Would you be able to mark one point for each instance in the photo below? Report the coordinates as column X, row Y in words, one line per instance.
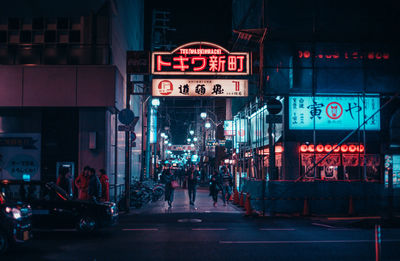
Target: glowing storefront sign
column 200, row 87
column 333, row 113
column 228, row 128
column 200, row 58
column 153, row 126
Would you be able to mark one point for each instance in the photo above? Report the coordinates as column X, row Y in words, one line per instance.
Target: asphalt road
column 207, row 233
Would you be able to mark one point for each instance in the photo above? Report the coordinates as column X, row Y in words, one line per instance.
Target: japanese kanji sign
column 181, row 147
column 200, row 87
column 200, row 58
column 333, row 113
column 20, row 156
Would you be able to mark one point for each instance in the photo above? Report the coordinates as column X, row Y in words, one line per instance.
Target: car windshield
column 2, row 198
column 59, row 192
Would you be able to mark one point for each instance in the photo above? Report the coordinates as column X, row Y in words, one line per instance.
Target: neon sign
column 200, row 58
column 355, row 55
column 333, row 112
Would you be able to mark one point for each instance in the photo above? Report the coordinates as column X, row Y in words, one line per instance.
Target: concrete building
column 62, row 83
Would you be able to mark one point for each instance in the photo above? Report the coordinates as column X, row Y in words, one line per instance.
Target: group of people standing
column 220, row 181
column 90, row 186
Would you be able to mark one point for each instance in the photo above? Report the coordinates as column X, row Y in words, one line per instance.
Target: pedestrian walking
column 94, row 189
column 215, row 186
column 105, row 186
column 226, row 184
column 193, row 180
column 168, row 178
column 82, row 183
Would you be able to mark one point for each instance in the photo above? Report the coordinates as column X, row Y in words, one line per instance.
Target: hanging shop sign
column 228, row 128
column 181, row 148
column 200, row 87
column 153, row 126
column 333, row 112
column 200, row 58
column 20, row 156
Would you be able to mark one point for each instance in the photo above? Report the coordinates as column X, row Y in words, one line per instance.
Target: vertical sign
column 153, row 125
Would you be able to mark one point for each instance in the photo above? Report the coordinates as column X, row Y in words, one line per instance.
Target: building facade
column 63, row 81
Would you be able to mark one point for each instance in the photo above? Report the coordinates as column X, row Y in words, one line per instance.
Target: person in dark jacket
column 226, row 184
column 94, row 189
column 105, row 186
column 64, row 181
column 215, row 186
column 193, row 179
column 167, row 177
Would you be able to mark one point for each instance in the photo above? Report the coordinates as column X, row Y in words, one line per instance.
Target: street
column 207, row 233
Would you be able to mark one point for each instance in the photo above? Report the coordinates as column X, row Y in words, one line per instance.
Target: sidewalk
column 203, row 204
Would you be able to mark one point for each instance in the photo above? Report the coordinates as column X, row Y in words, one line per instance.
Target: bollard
column 351, row 206
column 236, row 197
column 247, row 206
column 241, row 201
column 306, row 207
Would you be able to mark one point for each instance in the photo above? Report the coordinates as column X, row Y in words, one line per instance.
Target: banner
column 333, row 112
column 200, row 88
column 20, row 156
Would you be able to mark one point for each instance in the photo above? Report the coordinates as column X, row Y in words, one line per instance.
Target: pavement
column 204, row 232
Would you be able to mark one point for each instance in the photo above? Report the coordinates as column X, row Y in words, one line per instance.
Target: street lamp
column 191, row 132
column 207, row 125
column 155, row 102
column 203, row 115
column 189, row 140
column 195, row 139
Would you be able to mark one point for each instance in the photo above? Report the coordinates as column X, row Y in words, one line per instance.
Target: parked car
column 58, row 210
column 15, row 222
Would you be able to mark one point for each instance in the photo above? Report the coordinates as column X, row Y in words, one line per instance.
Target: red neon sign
column 200, row 58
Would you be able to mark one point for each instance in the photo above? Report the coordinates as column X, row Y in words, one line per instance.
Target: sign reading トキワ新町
column 200, row 58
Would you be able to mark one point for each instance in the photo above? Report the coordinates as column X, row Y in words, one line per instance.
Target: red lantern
column 328, row 148
column 360, row 148
column 311, row 148
column 344, row 148
column 303, row 148
column 337, row 149
column 352, row 148
column 320, row 148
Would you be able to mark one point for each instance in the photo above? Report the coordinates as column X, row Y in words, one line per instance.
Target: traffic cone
column 241, row 201
column 351, row 206
column 236, row 197
column 247, row 206
column 306, row 207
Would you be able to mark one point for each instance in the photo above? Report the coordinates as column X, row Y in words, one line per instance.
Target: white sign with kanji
column 200, row 87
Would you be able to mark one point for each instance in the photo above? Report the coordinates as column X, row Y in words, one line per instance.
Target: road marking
column 305, row 241
column 277, row 229
column 64, row 230
column 209, row 229
column 352, row 218
column 342, row 229
column 322, row 225
column 140, row 229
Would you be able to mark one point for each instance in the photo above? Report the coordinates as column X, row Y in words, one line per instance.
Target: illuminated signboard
column 153, row 126
column 200, row 58
column 333, row 112
column 346, row 55
column 228, row 128
column 181, row 147
column 199, row 87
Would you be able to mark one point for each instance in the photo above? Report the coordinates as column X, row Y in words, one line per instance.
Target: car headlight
column 15, row 212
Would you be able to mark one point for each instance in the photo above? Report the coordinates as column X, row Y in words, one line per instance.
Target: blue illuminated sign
column 153, row 125
column 333, row 112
